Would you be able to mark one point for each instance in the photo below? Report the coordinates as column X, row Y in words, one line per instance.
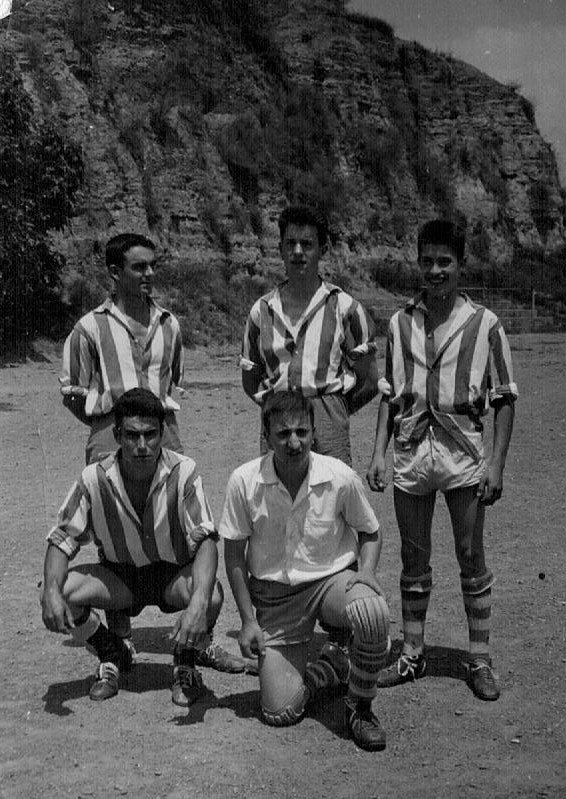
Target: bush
column 40, row 175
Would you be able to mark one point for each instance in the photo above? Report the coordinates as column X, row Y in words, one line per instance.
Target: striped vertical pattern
column 97, row 508
column 102, row 355
column 478, row 612
column 315, row 355
column 415, row 596
column 454, row 383
column 369, row 621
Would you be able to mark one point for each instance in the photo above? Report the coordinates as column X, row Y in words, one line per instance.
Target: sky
column 520, row 41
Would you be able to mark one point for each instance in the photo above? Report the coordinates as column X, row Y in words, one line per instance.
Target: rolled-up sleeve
column 359, row 332
column 198, row 523
column 251, row 354
column 235, row 522
column 73, row 522
column 356, row 508
column 501, row 366
column 76, row 368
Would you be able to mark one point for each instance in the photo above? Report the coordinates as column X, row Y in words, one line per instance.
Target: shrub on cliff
column 40, row 172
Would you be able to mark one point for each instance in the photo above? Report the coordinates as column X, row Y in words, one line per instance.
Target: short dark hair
column 443, row 232
column 138, row 402
column 119, row 245
column 303, row 215
column 290, row 402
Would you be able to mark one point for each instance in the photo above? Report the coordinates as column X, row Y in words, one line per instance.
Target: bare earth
column 442, row 742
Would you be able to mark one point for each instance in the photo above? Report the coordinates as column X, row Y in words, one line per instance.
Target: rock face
column 199, row 120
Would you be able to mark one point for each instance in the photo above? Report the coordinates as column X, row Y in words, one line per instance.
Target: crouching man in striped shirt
column 446, row 359
column 145, row 509
column 302, row 544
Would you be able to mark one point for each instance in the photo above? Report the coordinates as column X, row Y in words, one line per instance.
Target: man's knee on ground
column 368, row 618
column 290, row 713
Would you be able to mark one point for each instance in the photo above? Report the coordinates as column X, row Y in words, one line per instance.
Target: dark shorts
column 147, row 584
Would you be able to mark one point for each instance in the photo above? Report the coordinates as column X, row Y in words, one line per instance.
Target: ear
column 117, row 437
column 114, row 271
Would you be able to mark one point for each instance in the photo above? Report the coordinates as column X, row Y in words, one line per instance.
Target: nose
column 435, row 268
column 148, row 271
column 297, row 249
column 294, row 442
column 141, row 446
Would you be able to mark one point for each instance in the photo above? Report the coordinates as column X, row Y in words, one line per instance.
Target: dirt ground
column 442, row 742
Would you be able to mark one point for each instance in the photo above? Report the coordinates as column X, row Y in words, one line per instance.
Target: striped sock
column 478, row 612
column 415, row 596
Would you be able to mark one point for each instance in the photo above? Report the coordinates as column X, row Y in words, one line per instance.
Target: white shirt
column 303, row 540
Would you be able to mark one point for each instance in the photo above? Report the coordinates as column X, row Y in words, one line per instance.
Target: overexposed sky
column 523, row 41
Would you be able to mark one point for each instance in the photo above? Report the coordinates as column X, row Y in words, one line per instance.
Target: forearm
column 204, row 569
column 238, row 577
column 384, row 428
column 502, row 430
column 370, row 550
column 55, row 569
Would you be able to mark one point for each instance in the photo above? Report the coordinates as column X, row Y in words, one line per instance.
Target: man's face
column 301, row 252
column 440, row 270
column 135, row 279
column 290, row 437
column 140, row 440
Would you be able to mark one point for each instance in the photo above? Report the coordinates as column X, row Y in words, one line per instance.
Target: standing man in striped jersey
column 308, row 335
column 145, row 509
column 446, row 359
column 128, row 342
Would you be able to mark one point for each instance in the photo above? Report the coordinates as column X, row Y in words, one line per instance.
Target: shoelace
column 407, row 666
column 188, row 677
column 108, row 672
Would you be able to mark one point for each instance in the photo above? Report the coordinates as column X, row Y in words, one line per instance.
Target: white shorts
column 437, row 463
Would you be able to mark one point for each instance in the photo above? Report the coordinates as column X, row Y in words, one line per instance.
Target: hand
column 376, row 474
column 367, row 577
column 251, row 640
column 490, row 487
column 191, row 626
column 55, row 612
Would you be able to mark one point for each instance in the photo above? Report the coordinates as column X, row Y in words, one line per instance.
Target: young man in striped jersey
column 308, row 335
column 446, row 360
column 128, row 342
column 302, row 544
column 145, row 509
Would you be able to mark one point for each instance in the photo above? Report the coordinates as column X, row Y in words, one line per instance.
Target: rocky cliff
column 199, row 119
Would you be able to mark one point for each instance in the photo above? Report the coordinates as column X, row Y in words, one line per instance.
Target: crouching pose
column 145, row 509
column 302, row 544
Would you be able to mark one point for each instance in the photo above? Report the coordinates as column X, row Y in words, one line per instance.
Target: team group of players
column 301, row 540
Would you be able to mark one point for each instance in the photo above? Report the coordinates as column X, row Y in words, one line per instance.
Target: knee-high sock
column 478, row 612
column 415, row 595
column 368, row 618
